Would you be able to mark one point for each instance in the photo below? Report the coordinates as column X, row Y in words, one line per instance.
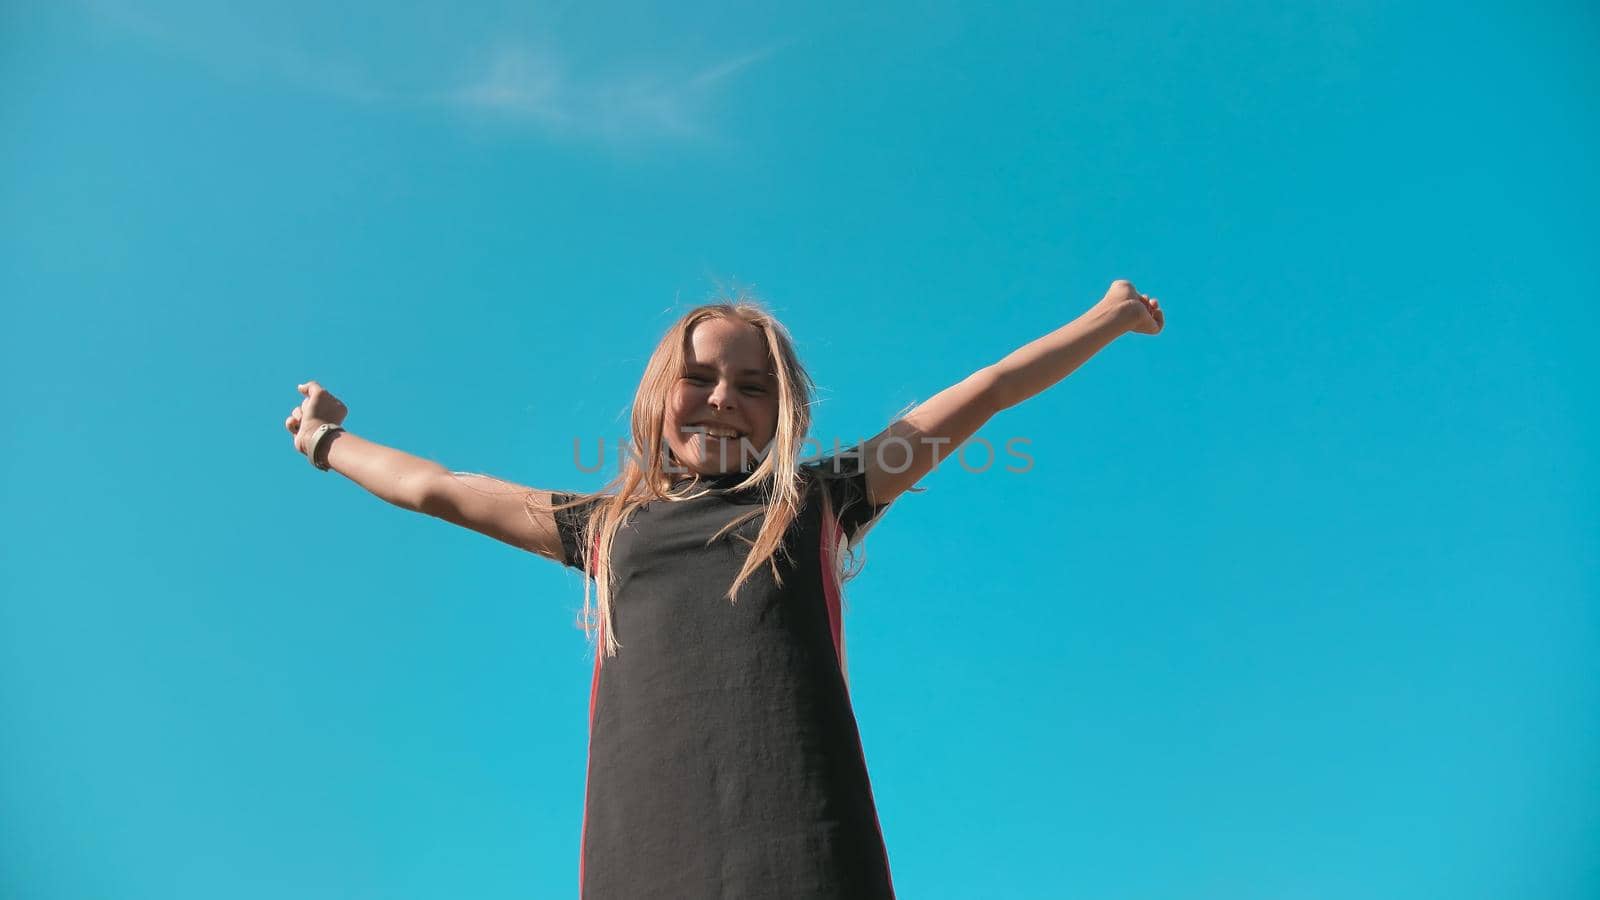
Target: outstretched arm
column 519, row 516
column 912, row 446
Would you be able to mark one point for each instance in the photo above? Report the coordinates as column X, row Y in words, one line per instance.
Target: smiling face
column 725, row 401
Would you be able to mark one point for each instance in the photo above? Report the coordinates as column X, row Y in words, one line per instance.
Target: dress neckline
column 720, row 482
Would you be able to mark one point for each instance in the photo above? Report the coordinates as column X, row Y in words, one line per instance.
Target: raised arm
column 913, row 445
column 499, row 509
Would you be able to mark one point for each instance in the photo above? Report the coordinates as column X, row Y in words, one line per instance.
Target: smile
column 720, row 431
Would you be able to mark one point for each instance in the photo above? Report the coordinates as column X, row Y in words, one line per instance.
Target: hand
column 318, row 407
column 1132, row 309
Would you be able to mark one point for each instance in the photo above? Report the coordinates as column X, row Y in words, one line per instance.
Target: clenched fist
column 318, row 407
column 1133, row 309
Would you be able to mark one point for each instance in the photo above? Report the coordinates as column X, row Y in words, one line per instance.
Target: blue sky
column 1299, row 599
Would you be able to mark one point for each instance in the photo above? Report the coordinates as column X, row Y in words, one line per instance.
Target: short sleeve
column 844, row 477
column 571, row 523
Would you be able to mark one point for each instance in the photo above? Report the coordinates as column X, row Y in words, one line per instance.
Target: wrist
column 324, row 459
column 1116, row 316
column 302, row 441
column 319, row 440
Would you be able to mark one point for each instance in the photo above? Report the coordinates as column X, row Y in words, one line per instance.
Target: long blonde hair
column 643, row 477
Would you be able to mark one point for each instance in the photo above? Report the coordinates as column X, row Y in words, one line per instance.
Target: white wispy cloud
column 536, row 86
column 518, row 82
column 230, row 49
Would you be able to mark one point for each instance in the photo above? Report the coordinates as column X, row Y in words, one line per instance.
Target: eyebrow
column 740, row 372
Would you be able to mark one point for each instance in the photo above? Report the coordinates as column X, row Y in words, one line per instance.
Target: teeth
column 722, row 432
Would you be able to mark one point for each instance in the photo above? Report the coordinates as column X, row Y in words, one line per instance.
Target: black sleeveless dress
column 724, row 759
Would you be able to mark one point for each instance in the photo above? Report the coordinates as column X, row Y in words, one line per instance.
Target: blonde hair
column 644, row 476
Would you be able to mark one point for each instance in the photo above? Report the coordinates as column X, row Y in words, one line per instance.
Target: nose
column 721, row 398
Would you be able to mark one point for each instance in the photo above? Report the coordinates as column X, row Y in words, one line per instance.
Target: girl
column 724, row 759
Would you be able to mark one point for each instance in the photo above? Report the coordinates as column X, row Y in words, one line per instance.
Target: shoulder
column 840, row 481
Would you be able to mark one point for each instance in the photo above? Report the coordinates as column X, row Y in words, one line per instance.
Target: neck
column 715, row 479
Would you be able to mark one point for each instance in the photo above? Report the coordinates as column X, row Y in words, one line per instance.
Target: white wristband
column 315, row 444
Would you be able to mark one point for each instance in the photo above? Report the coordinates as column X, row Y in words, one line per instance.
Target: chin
column 708, row 460
column 713, row 466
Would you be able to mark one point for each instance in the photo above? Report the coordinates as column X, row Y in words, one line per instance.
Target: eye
column 697, row 379
column 755, row 390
